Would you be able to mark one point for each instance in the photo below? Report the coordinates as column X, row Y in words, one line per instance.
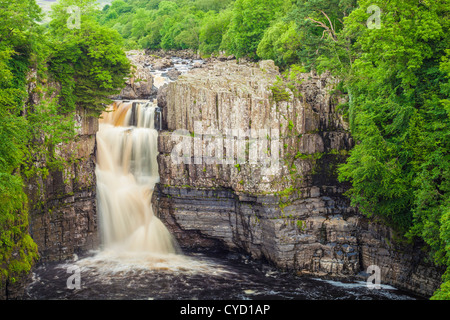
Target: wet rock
column 162, row 64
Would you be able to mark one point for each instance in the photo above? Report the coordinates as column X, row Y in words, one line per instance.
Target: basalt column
column 248, row 162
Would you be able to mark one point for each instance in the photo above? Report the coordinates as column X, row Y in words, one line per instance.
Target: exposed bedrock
column 63, row 213
column 140, row 85
column 270, row 189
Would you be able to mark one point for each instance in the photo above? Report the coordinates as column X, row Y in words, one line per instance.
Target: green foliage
column 288, row 32
column 176, row 24
column 279, row 91
column 280, row 43
column 301, row 225
column 17, row 249
column 88, row 61
column 212, row 30
column 210, row 26
column 287, row 85
column 318, row 23
column 181, row 33
column 397, row 78
column 396, row 112
column 249, row 21
column 212, row 5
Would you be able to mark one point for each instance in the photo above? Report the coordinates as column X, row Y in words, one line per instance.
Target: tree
column 212, row 5
column 281, row 43
column 249, row 20
column 17, row 37
column 397, row 78
column 319, row 22
column 88, row 61
column 213, row 29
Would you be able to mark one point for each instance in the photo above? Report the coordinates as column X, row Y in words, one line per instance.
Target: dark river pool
column 192, row 276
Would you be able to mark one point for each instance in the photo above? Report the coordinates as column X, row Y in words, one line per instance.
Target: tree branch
column 327, row 29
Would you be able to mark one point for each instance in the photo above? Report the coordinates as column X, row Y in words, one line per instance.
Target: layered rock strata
column 248, row 162
column 63, row 217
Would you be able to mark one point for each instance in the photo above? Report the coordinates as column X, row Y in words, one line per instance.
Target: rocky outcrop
column 62, row 205
column 63, row 217
column 229, row 96
column 140, row 85
column 269, row 188
column 161, row 64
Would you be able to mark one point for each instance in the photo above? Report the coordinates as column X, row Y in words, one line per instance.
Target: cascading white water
column 127, row 171
column 133, row 238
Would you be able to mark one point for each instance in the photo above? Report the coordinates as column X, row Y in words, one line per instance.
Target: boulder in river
column 163, row 63
column 173, row 74
column 140, row 85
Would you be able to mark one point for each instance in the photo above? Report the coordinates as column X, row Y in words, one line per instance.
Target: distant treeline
column 266, row 29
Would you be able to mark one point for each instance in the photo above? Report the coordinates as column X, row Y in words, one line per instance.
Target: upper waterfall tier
column 127, row 171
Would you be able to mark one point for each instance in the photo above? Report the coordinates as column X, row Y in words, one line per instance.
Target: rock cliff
column 62, row 206
column 63, row 217
column 248, row 162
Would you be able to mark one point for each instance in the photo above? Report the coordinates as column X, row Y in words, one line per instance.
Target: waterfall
column 127, row 171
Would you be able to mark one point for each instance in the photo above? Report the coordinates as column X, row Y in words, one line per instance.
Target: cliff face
column 62, row 206
column 63, row 217
column 247, row 163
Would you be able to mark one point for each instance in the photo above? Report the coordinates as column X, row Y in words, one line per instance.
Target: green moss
column 291, row 125
column 284, row 197
column 279, row 91
column 285, row 192
column 301, row 225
